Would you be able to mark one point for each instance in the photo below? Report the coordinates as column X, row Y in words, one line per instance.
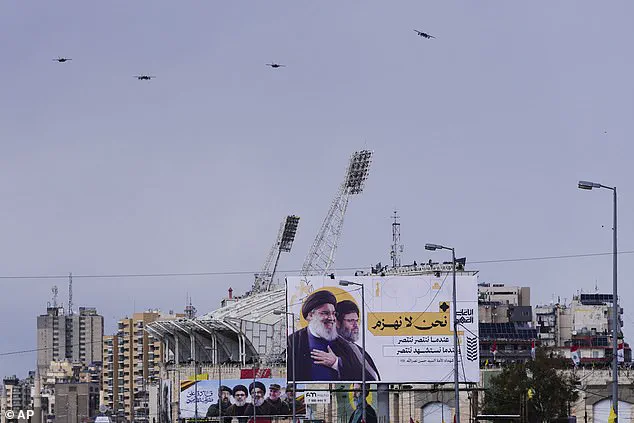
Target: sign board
column 317, row 397
column 200, row 395
column 408, row 323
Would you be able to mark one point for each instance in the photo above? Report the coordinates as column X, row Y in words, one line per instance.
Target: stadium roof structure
column 245, row 330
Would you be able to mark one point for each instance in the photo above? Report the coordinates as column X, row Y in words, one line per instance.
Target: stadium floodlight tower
column 283, row 243
column 288, row 236
column 321, row 256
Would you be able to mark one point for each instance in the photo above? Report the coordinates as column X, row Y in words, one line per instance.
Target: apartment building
column 506, row 329
column 16, row 395
column 73, row 337
column 585, row 323
column 131, row 364
column 76, row 402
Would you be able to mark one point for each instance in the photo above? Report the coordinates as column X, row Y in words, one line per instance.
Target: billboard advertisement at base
column 235, row 397
column 408, row 322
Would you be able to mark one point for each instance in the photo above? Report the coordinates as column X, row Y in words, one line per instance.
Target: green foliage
column 553, row 391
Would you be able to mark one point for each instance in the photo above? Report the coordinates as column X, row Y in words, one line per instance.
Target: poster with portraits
column 408, row 323
column 204, row 396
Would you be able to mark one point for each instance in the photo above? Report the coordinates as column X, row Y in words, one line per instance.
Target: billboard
column 203, row 395
column 408, row 325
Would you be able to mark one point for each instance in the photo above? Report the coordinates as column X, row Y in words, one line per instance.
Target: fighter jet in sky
column 61, row 59
column 423, row 34
column 144, row 77
column 275, row 65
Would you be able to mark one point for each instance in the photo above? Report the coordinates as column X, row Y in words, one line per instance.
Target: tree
column 552, row 391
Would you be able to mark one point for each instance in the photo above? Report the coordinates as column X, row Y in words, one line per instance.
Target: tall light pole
column 434, row 247
column 288, row 313
column 285, row 242
column 363, row 324
column 215, row 362
column 615, row 308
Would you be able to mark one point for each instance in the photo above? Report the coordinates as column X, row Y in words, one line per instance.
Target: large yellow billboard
column 408, row 322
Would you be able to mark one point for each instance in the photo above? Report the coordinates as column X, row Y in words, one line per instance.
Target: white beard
column 320, row 330
column 259, row 402
column 241, row 403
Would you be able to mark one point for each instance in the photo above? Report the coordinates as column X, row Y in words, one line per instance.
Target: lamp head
column 432, row 247
column 278, row 312
column 588, row 185
column 344, row 283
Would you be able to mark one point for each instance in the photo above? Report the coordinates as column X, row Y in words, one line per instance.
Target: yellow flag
column 612, row 416
column 202, row 376
column 530, row 393
column 486, row 363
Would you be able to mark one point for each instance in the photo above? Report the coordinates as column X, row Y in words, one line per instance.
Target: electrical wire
column 295, row 271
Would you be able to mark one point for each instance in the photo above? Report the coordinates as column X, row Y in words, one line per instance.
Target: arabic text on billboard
column 408, row 326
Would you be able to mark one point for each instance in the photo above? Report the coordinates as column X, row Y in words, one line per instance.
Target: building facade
column 76, row 402
column 73, row 337
column 585, row 323
column 131, row 364
column 506, row 330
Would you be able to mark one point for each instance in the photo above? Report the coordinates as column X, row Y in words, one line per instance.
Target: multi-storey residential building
column 73, row 337
column 16, row 394
column 131, row 364
column 506, row 316
column 585, row 323
column 58, row 372
column 76, row 402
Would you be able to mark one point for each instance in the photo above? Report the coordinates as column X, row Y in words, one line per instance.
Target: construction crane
column 321, row 256
column 283, row 243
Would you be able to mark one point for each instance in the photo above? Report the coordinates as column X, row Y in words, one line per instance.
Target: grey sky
column 480, row 137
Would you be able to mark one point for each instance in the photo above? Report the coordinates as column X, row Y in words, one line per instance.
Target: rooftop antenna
column 190, row 310
column 54, row 290
column 596, row 286
column 321, row 256
column 70, row 294
column 397, row 247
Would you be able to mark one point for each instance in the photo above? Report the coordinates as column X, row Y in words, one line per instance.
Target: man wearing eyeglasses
column 321, row 354
column 348, row 329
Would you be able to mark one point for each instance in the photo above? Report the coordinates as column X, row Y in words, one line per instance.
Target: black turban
column 257, row 384
column 240, row 388
column 345, row 307
column 225, row 388
column 316, row 299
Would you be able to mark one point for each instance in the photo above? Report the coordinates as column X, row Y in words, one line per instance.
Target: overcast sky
column 480, row 136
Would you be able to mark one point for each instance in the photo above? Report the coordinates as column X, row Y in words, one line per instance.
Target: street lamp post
column 288, row 313
column 215, row 362
column 433, row 247
column 363, row 324
column 615, row 308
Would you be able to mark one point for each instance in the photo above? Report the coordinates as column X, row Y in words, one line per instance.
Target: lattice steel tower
column 283, row 243
column 321, row 256
column 397, row 247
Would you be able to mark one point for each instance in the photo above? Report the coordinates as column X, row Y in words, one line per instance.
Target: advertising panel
column 408, row 323
column 236, row 399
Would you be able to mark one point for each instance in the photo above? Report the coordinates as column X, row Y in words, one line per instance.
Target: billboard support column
column 383, row 402
column 434, row 247
column 455, row 338
column 363, row 328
